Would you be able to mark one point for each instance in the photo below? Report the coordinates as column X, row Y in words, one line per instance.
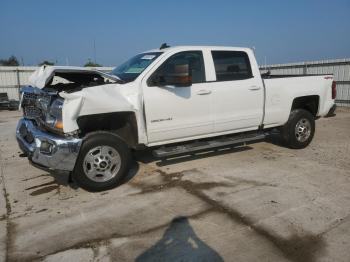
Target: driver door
column 178, row 100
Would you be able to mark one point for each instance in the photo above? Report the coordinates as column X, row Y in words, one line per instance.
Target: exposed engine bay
column 75, row 81
column 41, row 101
column 69, row 79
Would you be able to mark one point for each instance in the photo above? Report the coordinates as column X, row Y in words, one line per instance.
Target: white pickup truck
column 176, row 100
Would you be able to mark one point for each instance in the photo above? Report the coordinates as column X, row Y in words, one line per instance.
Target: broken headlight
column 54, row 116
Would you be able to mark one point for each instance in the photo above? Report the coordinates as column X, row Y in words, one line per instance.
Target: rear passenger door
column 237, row 95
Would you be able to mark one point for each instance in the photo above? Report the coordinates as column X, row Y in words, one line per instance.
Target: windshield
column 132, row 68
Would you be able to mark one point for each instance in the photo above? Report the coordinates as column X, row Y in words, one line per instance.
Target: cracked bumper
column 46, row 150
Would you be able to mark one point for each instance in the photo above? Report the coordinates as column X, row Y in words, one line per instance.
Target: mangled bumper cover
column 47, row 150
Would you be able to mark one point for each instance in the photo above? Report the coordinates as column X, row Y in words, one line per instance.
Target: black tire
column 107, row 140
column 291, row 137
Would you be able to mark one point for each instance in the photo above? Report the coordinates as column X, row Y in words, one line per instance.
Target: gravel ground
column 261, row 202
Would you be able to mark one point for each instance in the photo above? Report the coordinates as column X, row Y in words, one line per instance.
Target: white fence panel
column 11, row 78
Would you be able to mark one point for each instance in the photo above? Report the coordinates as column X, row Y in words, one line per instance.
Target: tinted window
column 231, row 65
column 175, row 64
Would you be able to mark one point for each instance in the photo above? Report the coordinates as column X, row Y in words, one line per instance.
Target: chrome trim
column 102, row 163
column 64, row 150
column 303, row 130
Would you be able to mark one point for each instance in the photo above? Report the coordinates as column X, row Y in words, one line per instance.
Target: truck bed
column 280, row 91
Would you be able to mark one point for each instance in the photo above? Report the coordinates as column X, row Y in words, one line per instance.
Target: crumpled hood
column 44, row 74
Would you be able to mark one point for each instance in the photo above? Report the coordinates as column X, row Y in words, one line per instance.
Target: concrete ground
column 262, row 202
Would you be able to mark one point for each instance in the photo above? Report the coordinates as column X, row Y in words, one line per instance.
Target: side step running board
column 204, row 145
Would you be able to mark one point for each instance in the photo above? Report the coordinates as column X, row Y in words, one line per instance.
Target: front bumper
column 47, row 150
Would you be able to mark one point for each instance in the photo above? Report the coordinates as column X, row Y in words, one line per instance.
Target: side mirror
column 179, row 77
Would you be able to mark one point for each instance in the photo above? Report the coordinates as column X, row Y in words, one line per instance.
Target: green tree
column 46, row 62
column 11, row 61
column 92, row 64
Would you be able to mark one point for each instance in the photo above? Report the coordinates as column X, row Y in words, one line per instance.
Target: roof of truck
column 190, row 47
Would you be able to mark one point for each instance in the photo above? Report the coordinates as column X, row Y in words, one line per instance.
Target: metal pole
column 305, row 68
column 18, row 82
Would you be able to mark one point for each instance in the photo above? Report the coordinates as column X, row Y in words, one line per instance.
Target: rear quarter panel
column 280, row 93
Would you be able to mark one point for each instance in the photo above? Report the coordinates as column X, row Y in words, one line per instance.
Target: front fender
column 95, row 100
column 71, row 109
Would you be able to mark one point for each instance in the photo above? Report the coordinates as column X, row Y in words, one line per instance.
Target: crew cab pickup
column 176, row 100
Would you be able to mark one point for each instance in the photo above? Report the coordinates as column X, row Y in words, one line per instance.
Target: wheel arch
column 309, row 103
column 123, row 124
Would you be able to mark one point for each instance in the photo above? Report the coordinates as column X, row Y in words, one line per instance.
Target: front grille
column 29, row 96
column 35, row 104
column 31, row 112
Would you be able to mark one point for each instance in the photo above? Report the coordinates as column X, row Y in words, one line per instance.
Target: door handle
column 254, row 88
column 203, row 92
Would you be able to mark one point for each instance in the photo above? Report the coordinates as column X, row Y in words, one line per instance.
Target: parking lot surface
column 260, row 202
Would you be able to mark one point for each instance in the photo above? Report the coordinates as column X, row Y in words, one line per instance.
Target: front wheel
column 103, row 162
column 298, row 132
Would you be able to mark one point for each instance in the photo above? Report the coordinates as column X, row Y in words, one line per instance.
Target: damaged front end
column 45, row 150
column 42, row 107
column 48, row 132
column 40, row 133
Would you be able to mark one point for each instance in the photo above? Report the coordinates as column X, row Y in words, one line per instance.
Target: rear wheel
column 103, row 162
column 299, row 131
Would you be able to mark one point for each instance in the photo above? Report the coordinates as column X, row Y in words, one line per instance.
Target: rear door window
column 231, row 65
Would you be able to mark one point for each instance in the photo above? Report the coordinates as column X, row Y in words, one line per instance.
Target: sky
column 281, row 31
